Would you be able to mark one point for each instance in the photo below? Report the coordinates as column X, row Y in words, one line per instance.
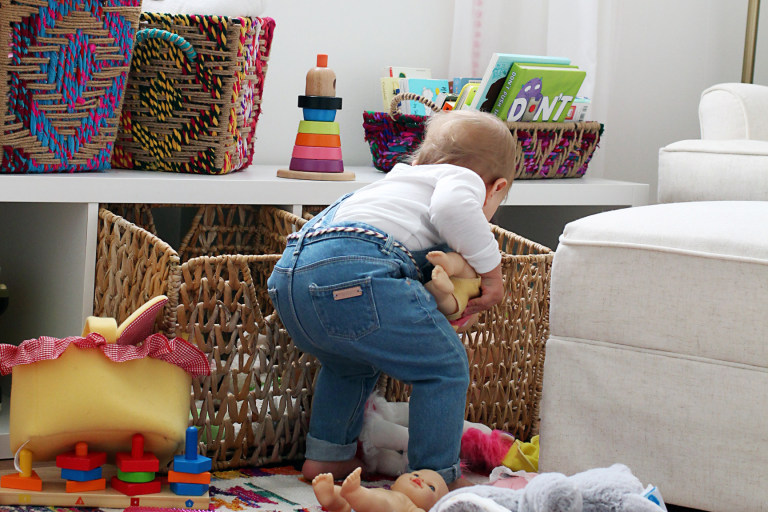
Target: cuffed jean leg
column 341, row 390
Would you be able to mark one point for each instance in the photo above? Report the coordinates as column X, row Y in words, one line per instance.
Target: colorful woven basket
column 544, row 150
column 194, row 93
column 63, row 69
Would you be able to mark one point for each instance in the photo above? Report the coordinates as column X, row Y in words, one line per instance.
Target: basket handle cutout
column 156, row 33
column 405, row 96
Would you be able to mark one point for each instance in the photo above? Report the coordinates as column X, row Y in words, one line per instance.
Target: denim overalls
column 354, row 300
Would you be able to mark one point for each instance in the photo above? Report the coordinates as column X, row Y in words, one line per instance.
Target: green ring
column 135, row 477
column 319, row 127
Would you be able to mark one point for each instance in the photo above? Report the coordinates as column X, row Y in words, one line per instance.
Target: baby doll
column 453, row 283
column 411, row 492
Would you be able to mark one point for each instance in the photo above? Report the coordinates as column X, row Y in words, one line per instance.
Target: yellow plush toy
column 102, row 388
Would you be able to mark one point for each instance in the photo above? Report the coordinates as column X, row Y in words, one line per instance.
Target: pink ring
column 316, row 153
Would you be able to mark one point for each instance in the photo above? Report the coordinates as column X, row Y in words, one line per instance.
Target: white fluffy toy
column 612, row 489
column 384, row 436
column 232, row 8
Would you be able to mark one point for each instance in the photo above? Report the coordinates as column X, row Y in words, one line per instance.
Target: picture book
column 496, row 74
column 466, row 95
column 430, row 88
column 406, row 72
column 389, row 88
column 459, row 82
column 503, row 100
column 538, row 93
column 579, row 110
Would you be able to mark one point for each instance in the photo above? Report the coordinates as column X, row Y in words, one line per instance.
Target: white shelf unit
column 48, row 225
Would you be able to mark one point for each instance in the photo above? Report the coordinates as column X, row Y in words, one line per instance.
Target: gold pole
column 750, row 42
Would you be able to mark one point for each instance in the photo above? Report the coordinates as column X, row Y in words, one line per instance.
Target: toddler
column 349, row 290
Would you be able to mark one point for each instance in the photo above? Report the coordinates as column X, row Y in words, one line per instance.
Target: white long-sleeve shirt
column 425, row 205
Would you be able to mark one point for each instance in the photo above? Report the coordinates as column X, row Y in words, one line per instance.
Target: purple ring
column 311, row 165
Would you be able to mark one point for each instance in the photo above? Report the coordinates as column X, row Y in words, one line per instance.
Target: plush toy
column 453, row 283
column 612, row 489
column 482, row 451
column 384, row 436
column 250, row 8
column 411, row 492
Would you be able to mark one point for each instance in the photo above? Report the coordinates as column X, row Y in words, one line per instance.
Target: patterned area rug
column 275, row 489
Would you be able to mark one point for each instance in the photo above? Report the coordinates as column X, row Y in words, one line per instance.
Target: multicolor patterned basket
column 63, row 69
column 194, row 93
column 544, row 150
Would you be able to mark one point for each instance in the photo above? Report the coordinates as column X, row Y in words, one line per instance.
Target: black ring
column 320, row 102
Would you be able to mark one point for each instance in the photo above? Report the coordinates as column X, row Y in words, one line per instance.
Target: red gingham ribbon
column 175, row 351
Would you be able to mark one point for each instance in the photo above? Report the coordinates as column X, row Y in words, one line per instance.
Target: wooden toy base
column 54, row 494
column 319, row 176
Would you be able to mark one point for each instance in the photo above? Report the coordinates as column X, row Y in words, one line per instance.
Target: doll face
column 423, row 487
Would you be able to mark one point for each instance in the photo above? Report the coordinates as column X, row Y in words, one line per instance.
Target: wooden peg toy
column 79, row 475
column 134, row 489
column 136, row 477
column 81, row 459
column 321, row 80
column 183, row 489
column 137, row 460
column 189, row 478
column 91, row 485
column 191, row 462
column 27, row 479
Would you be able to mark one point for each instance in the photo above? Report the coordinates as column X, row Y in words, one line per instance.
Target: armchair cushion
column 711, row 170
column 734, row 111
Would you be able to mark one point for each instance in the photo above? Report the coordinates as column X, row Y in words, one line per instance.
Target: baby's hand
column 492, row 288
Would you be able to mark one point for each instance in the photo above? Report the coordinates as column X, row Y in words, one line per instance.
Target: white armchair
column 657, row 356
column 729, row 161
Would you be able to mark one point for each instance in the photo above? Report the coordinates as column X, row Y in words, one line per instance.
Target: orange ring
column 318, row 139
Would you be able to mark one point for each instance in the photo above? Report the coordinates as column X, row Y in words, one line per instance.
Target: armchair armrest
column 734, row 111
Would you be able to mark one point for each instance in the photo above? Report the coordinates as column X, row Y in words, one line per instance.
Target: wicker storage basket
column 194, row 93
column 255, row 406
column 63, row 70
column 544, row 150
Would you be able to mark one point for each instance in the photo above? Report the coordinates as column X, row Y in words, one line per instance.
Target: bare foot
column 351, row 484
column 327, row 493
column 441, row 280
column 339, row 469
column 459, row 482
column 438, row 258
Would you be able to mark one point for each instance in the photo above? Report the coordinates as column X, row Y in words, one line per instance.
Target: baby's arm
column 492, row 286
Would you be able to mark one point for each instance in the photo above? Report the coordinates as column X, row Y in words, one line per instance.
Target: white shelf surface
column 259, row 184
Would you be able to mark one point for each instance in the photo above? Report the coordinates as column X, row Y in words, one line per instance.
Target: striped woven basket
column 194, row 93
column 544, row 150
column 63, row 69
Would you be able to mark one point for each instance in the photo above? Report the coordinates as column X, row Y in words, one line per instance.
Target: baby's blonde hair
column 469, row 138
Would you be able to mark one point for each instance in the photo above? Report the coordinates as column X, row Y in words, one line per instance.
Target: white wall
column 656, row 57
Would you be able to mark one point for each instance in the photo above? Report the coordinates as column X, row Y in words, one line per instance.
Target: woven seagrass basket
column 63, row 69
column 254, row 408
column 544, row 150
column 194, row 93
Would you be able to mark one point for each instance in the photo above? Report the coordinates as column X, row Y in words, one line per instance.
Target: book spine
column 501, row 106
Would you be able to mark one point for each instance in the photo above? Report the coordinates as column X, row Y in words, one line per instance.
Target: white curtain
column 580, row 30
